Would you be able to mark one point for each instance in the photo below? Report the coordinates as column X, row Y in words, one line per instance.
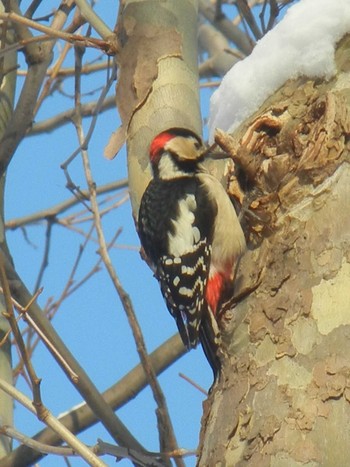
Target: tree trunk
column 158, row 79
column 284, row 397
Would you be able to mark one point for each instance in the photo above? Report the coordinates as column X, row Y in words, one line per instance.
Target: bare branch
column 58, row 209
column 60, row 119
column 34, row 380
column 193, row 383
column 32, row 8
column 94, row 20
column 228, row 29
column 220, row 59
column 45, row 260
column 47, row 86
column 83, row 383
column 248, row 16
column 87, row 138
column 108, row 46
column 149, row 459
column 38, row 59
column 70, row 71
column 126, row 389
column 53, row 423
column 31, row 443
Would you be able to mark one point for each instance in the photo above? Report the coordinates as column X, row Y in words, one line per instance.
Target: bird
column 191, row 236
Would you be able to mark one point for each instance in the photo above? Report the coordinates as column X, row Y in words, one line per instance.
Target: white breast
column 185, row 235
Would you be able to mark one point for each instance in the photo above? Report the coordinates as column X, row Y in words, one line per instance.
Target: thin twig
column 108, row 46
column 87, row 69
column 59, row 357
column 60, row 119
column 28, row 318
column 33, row 444
column 45, row 260
column 83, row 383
column 95, row 113
column 32, row 8
column 246, row 13
column 54, row 211
column 193, row 383
column 93, row 19
column 84, row 216
column 82, row 417
column 69, row 288
column 38, row 59
column 53, row 423
column 9, row 314
column 47, row 86
column 99, row 449
column 226, row 27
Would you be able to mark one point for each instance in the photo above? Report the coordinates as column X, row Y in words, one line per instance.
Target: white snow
column 302, row 43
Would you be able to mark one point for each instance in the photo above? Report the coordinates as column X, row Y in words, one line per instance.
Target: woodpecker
column 191, row 236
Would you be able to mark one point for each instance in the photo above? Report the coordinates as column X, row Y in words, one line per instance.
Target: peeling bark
column 284, row 396
column 158, row 80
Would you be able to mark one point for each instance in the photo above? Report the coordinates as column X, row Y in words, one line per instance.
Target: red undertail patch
column 213, row 291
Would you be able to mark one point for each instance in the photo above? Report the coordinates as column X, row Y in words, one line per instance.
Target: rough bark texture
column 158, row 80
column 284, row 399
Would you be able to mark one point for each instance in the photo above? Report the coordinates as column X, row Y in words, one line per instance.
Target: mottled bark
column 284, row 399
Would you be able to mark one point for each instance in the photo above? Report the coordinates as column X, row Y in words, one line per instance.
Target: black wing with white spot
column 183, row 281
column 161, row 208
column 176, row 229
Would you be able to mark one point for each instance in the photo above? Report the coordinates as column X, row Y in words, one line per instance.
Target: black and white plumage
column 176, row 240
column 190, row 252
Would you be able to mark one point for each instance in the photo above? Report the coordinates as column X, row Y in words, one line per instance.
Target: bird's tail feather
column 210, row 338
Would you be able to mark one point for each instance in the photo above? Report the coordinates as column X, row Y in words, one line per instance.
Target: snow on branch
column 303, row 43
